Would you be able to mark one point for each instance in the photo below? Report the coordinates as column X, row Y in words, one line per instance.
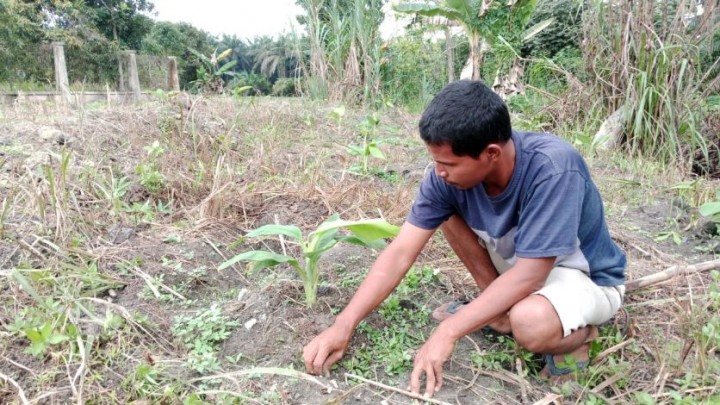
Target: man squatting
column 522, row 213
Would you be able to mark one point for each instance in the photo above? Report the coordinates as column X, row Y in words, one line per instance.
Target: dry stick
column 21, row 393
column 398, row 390
column 18, row 365
column 523, row 385
column 610, row 381
column 7, row 259
column 149, row 280
column 613, row 349
column 212, row 245
column 670, row 273
column 82, row 370
column 550, row 399
column 31, row 249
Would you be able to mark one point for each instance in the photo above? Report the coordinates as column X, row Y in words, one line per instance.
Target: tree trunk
column 477, row 54
column 450, row 49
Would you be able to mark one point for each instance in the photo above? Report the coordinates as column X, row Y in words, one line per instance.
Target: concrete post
column 62, row 83
column 134, row 80
column 173, row 81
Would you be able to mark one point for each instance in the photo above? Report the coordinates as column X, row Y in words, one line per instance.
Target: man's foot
column 561, row 368
column 445, row 311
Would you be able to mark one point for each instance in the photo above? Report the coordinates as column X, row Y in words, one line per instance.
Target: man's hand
column 326, row 349
column 429, row 360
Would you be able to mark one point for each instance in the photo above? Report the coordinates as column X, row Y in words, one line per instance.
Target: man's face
column 463, row 172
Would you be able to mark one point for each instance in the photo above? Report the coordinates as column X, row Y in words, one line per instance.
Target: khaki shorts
column 577, row 300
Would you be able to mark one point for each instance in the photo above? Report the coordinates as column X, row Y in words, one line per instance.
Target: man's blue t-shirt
column 550, row 207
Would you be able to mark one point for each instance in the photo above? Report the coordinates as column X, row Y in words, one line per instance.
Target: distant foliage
column 21, row 36
column 176, row 39
column 259, row 83
column 564, row 32
column 285, row 87
column 413, row 70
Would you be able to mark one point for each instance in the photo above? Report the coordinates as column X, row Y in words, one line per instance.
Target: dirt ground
column 229, row 166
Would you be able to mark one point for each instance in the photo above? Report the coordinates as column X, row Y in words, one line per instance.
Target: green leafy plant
column 150, row 176
column 370, row 146
column 112, row 189
column 201, row 334
column 337, row 114
column 364, row 232
column 210, row 74
column 712, row 209
column 403, row 328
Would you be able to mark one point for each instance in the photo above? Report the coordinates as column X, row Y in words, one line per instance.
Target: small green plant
column 337, row 114
column 201, row 334
column 112, row 189
column 401, row 331
column 370, row 146
column 364, row 232
column 675, row 236
column 711, row 209
column 150, row 176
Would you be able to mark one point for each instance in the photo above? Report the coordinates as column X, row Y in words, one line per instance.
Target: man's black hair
column 468, row 116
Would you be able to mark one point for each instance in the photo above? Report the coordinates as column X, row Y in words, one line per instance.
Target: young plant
column 369, row 146
column 150, row 176
column 364, row 232
column 712, row 209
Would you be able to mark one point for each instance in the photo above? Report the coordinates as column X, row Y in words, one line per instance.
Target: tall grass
column 646, row 58
column 344, row 61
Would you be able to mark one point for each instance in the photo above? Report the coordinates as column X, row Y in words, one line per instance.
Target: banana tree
column 210, row 73
column 365, row 232
column 482, row 20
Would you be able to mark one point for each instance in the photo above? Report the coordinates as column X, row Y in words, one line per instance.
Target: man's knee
column 535, row 324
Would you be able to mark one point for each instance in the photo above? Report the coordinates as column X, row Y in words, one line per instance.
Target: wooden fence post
column 62, row 84
column 134, row 80
column 173, row 81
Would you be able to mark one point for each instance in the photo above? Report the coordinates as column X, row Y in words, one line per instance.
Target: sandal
column 560, row 371
column 446, row 310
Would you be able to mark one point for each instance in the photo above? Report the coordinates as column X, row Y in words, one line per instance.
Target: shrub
column 285, row 87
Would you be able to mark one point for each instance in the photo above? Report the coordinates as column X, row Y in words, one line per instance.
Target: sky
column 244, row 18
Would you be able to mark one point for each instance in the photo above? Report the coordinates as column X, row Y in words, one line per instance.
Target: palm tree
column 272, row 56
column 240, row 52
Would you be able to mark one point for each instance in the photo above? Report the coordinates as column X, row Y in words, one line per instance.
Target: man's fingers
column 429, row 381
column 319, row 360
column 309, row 354
column 332, row 359
column 415, row 379
column 438, row 378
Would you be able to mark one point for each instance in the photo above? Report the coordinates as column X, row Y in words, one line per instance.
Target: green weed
column 402, row 329
column 201, row 334
column 150, row 176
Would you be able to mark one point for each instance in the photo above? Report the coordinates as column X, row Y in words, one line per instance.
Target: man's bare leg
column 537, row 327
column 476, row 259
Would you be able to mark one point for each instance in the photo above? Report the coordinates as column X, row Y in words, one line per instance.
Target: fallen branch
column 669, row 273
column 21, row 393
column 611, row 350
column 398, row 390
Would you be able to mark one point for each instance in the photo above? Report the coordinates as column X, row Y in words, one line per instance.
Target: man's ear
column 494, row 151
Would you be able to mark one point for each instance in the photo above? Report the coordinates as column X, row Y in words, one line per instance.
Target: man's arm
column 523, row 279
column 384, row 275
